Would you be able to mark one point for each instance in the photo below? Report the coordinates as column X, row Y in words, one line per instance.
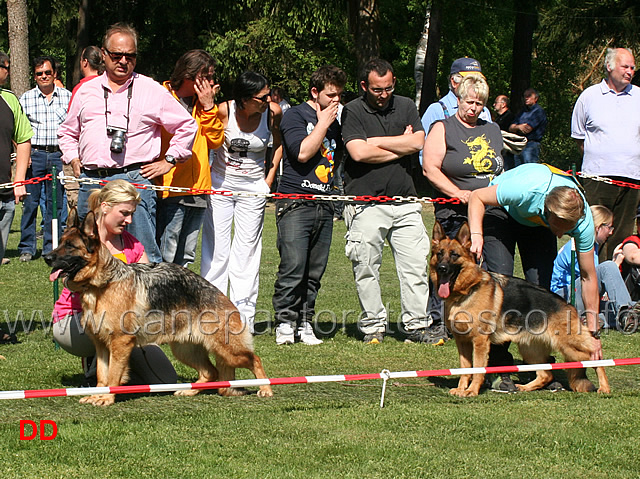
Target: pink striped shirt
column 84, row 132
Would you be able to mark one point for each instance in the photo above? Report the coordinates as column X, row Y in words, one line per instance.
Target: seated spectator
column 619, row 303
column 629, row 252
column 113, row 206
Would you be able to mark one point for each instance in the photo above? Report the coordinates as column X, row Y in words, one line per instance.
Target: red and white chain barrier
column 384, row 375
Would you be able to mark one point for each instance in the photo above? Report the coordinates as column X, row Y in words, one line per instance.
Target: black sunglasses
column 115, row 56
column 6, row 67
column 46, row 72
column 262, row 98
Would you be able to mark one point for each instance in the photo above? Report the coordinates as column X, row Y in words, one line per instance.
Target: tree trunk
column 526, row 19
column 432, row 28
column 363, row 25
column 82, row 41
column 19, row 45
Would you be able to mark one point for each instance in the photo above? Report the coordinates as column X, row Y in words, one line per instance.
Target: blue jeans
column 41, row 163
column 143, row 224
column 7, row 211
column 178, row 229
column 530, row 154
column 610, row 282
column 304, row 239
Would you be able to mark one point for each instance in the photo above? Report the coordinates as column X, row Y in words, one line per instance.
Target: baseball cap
column 465, row 65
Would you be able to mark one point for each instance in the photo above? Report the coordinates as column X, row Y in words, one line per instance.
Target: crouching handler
column 545, row 203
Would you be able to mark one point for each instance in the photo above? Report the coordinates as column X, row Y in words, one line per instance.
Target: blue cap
column 465, row 65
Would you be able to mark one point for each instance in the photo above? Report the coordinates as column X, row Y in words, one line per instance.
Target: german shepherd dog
column 128, row 304
column 483, row 308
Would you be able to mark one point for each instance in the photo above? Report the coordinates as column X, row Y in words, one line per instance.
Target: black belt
column 47, row 148
column 105, row 172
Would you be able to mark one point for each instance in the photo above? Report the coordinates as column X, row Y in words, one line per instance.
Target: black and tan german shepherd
column 128, row 304
column 483, row 308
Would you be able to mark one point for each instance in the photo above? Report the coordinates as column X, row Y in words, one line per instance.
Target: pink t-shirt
column 69, row 302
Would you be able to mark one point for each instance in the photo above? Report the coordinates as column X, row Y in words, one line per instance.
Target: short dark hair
column 93, row 55
column 123, row 29
column 4, row 58
column 39, row 61
column 247, row 86
column 327, row 75
column 189, row 65
column 531, row 91
column 378, row 65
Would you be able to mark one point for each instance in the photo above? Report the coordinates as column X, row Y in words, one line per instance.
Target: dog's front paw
column 265, row 392
column 187, row 392
column 463, row 393
column 99, row 399
column 604, row 389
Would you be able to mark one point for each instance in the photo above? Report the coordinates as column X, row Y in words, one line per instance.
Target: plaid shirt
column 45, row 116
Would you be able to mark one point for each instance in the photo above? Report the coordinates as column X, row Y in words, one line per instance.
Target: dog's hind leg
column 578, row 380
column 535, row 353
column 197, row 357
column 119, row 353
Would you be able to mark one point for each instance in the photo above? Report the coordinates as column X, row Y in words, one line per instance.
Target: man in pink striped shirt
column 113, row 126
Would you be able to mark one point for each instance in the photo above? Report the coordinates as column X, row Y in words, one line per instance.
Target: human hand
column 20, row 193
column 596, row 354
column 618, row 256
column 156, row 168
column 408, row 130
column 327, row 116
column 463, row 196
column 206, row 92
column 77, row 167
column 477, row 241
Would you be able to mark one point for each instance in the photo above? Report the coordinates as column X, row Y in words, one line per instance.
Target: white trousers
column 234, row 266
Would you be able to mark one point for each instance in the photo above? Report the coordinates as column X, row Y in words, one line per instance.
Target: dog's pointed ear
column 464, row 235
column 438, row 234
column 72, row 220
column 90, row 226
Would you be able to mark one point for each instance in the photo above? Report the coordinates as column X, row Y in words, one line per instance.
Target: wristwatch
column 171, row 159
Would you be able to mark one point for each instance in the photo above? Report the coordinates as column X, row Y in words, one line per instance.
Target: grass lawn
column 313, row 430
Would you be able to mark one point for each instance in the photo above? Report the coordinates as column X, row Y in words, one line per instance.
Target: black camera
column 118, row 137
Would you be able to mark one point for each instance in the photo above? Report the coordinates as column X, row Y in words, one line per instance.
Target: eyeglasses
column 46, row 73
column 609, row 227
column 379, row 91
column 6, row 67
column 116, row 56
column 263, row 98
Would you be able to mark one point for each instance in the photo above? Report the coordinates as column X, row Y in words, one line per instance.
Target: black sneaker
column 504, row 384
column 435, row 335
column 373, row 338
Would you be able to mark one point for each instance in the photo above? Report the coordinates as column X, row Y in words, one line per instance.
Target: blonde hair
column 566, row 203
column 601, row 215
column 475, row 82
column 113, row 193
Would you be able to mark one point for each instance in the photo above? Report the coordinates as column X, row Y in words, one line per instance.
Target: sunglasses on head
column 46, row 73
column 116, row 56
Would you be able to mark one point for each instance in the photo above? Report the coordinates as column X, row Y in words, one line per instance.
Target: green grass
column 314, row 430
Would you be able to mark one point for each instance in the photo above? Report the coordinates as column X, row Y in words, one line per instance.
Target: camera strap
column 106, row 105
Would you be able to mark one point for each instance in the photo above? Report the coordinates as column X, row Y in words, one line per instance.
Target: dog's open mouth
column 444, row 287
column 55, row 274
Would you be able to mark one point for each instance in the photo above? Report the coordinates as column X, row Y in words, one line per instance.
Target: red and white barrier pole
column 385, row 375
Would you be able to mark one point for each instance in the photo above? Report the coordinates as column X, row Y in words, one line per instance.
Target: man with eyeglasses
column 113, row 131
column 181, row 213
column 46, row 107
column 14, row 127
column 382, row 133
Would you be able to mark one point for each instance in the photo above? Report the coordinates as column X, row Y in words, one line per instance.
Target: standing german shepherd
column 128, row 304
column 483, row 308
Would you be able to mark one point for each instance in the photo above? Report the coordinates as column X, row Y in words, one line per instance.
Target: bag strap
column 444, row 109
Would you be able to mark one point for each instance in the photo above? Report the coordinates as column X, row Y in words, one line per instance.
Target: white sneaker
column 285, row 334
column 306, row 335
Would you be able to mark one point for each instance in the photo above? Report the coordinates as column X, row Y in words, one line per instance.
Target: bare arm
column 631, row 254
column 580, row 144
column 362, row 151
column 23, row 154
column 276, row 117
column 590, row 298
column 478, row 201
column 408, row 143
column 435, row 149
column 312, row 143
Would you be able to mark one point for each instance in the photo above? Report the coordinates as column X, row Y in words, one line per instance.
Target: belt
column 105, row 172
column 47, row 148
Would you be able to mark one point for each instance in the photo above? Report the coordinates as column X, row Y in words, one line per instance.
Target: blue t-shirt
column 561, row 278
column 536, row 118
column 522, row 191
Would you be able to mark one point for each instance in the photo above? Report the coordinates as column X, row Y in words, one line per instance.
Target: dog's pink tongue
column 53, row 276
column 443, row 290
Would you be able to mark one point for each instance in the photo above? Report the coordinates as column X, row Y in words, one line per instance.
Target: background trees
column 553, row 45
